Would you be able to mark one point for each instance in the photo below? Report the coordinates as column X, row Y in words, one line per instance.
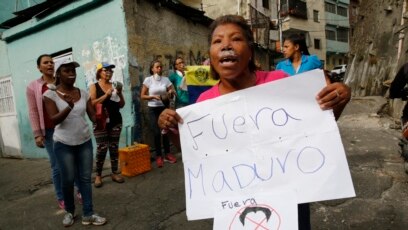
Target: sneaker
column 68, row 219
column 61, row 204
column 79, row 197
column 95, row 219
column 159, row 162
column 170, row 158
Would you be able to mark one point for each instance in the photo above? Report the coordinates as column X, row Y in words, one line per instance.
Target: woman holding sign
column 232, row 61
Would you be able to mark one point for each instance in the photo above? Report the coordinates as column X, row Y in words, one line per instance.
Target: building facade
column 129, row 34
column 261, row 16
column 324, row 23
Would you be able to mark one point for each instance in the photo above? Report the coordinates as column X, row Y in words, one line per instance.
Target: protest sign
column 269, row 137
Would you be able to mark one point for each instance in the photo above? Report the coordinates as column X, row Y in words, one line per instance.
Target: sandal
column 117, row 178
column 98, row 182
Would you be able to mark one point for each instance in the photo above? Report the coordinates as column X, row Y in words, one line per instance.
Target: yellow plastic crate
column 135, row 160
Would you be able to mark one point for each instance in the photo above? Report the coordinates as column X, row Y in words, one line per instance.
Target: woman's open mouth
column 228, row 60
column 228, row 57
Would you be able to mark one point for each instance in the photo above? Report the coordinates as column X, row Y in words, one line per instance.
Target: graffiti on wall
column 190, row 58
column 109, row 50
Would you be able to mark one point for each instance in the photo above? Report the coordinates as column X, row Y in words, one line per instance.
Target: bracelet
column 70, row 108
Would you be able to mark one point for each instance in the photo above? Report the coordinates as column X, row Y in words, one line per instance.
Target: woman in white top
column 154, row 88
column 66, row 106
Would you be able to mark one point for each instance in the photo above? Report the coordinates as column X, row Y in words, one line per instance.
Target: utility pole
column 280, row 26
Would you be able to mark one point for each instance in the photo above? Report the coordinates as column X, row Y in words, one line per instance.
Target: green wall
column 94, row 29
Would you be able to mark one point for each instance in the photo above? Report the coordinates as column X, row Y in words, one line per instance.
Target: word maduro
column 236, row 176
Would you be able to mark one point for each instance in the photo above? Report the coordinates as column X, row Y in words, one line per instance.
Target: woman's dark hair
column 40, row 57
column 58, row 76
column 175, row 62
column 98, row 74
column 298, row 39
column 152, row 64
column 239, row 21
column 57, row 80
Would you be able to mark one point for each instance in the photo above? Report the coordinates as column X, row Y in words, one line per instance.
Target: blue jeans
column 55, row 172
column 76, row 161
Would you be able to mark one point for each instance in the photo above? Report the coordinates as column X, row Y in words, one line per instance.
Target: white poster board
column 266, row 138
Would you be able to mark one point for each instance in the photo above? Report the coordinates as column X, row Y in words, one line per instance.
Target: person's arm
column 122, row 99
column 171, row 90
column 101, row 99
column 144, row 94
column 173, row 79
column 55, row 115
column 90, row 110
column 34, row 116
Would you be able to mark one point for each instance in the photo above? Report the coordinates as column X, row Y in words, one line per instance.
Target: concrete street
column 156, row 200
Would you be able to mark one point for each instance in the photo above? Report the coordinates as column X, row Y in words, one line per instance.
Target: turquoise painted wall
column 94, row 34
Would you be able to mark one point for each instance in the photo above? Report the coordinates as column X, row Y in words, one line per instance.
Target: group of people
column 162, row 92
column 57, row 112
column 232, row 61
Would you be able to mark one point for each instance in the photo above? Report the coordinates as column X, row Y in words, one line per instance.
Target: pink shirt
column 35, row 106
column 261, row 78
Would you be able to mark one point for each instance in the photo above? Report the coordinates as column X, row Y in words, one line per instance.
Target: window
column 342, row 35
column 265, row 4
column 329, row 7
column 317, row 44
column 342, row 11
column 315, row 15
column 6, row 97
column 331, row 35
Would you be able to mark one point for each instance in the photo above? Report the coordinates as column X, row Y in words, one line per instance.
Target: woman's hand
column 108, row 92
column 156, row 97
column 169, row 119
column 69, row 100
column 119, row 90
column 333, row 95
column 39, row 141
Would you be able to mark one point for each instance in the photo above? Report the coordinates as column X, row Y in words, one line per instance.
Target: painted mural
column 108, row 49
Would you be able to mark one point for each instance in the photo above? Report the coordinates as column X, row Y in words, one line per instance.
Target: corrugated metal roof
column 39, row 11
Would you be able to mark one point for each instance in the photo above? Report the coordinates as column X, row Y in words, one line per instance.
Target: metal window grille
column 342, row 11
column 7, row 106
column 342, row 35
column 315, row 15
column 317, row 44
column 331, row 35
column 329, row 7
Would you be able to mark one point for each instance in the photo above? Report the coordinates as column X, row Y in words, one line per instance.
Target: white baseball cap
column 65, row 62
